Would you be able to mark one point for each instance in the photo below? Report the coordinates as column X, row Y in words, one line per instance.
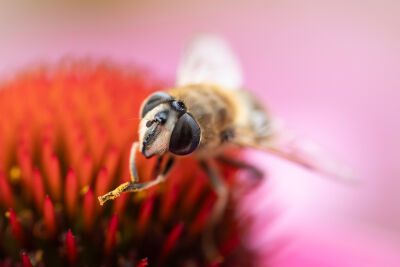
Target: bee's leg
column 157, row 167
column 133, row 186
column 218, row 210
column 132, row 163
column 257, row 173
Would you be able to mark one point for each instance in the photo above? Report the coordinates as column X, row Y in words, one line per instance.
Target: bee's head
column 166, row 126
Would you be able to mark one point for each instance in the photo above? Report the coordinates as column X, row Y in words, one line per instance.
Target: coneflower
column 65, row 135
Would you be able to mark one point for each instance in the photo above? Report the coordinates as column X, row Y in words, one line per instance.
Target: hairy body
column 225, row 117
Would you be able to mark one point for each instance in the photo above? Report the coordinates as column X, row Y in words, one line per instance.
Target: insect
column 206, row 113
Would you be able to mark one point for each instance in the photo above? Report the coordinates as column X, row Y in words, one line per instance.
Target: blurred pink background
column 330, row 69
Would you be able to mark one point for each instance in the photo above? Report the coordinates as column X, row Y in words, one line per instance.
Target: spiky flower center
column 65, row 135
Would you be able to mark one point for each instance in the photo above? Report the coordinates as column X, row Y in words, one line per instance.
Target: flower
column 65, row 135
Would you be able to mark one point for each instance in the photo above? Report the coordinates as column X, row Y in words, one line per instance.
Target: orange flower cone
column 65, row 135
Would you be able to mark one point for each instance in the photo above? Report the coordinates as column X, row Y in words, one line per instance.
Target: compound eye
column 185, row 137
column 154, row 100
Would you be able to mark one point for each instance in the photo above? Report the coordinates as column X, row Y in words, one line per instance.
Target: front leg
column 132, row 163
column 218, row 210
column 134, row 186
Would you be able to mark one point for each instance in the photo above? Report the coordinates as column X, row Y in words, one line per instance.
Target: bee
column 207, row 112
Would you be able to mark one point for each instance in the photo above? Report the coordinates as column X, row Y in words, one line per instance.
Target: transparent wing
column 293, row 147
column 209, row 59
column 282, row 142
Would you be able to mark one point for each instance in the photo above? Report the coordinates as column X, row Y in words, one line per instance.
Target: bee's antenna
column 149, row 123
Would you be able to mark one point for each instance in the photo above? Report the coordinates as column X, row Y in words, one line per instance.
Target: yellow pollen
column 39, row 255
column 7, row 214
column 84, row 190
column 139, row 196
column 15, row 174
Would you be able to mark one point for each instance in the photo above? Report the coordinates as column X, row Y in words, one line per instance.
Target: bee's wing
column 286, row 144
column 209, row 59
column 278, row 140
